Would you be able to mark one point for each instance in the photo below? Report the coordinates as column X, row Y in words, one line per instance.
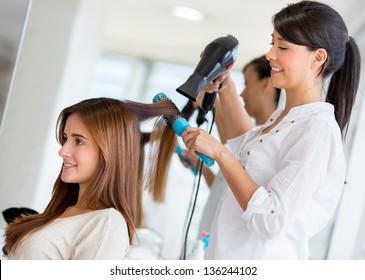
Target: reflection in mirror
column 13, row 15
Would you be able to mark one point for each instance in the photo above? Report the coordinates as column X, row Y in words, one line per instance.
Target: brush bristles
column 169, row 119
column 163, row 97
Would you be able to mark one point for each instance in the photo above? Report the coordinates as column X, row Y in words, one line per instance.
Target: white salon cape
column 96, row 235
column 300, row 169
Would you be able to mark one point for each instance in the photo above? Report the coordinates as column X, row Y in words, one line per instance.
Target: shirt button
column 272, row 211
column 271, row 119
column 261, row 140
column 248, row 152
column 292, row 121
column 277, row 131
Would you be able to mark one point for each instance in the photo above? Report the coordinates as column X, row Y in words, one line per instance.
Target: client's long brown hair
column 115, row 127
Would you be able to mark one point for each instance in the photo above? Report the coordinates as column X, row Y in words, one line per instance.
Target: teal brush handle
column 179, row 124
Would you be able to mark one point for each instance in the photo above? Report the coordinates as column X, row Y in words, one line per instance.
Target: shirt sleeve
column 308, row 159
column 105, row 238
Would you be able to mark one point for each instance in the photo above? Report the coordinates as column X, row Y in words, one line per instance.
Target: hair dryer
column 217, row 58
column 179, row 124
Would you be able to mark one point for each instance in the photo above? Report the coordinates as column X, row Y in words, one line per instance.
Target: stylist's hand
column 218, row 83
column 198, row 140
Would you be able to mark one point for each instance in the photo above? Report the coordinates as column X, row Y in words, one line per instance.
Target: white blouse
column 95, row 235
column 300, row 168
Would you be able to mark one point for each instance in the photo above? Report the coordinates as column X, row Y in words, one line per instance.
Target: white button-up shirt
column 300, row 168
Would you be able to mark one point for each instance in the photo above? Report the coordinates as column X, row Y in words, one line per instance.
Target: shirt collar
column 297, row 112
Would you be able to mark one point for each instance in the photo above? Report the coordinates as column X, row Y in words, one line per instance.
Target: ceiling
column 146, row 28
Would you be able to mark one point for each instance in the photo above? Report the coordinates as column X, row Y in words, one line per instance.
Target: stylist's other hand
column 198, row 140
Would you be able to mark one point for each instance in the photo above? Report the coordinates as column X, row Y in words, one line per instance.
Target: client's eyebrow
column 78, row 135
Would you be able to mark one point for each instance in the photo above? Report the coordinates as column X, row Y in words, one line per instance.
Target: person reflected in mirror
column 260, row 98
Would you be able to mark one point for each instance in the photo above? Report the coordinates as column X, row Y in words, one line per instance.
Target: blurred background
column 54, row 53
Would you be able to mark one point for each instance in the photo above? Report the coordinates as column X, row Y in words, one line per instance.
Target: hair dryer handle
column 208, row 101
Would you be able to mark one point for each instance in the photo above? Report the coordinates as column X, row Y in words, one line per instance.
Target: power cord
column 196, row 194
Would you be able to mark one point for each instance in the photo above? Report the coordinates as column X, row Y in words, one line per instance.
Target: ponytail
column 344, row 85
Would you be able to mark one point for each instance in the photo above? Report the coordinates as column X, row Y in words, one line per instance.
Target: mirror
column 13, row 15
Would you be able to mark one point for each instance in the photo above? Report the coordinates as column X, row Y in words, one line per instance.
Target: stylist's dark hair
column 263, row 70
column 316, row 25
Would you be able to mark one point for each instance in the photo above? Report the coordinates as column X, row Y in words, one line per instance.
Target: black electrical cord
column 197, row 167
column 196, row 195
column 192, row 194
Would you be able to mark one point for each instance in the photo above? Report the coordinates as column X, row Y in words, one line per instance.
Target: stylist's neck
column 303, row 95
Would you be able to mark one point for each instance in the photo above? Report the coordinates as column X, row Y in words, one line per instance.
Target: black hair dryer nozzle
column 217, row 58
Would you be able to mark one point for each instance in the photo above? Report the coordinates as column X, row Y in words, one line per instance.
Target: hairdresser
column 285, row 177
column 260, row 100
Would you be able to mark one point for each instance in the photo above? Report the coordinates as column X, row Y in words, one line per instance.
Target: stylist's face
column 291, row 64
